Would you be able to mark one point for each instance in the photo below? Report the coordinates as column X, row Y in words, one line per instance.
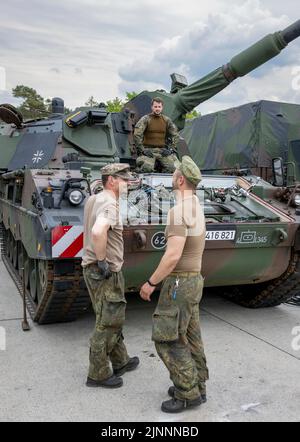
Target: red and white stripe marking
column 67, row 242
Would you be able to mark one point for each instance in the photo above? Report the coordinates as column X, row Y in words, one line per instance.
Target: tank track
column 65, row 296
column 295, row 301
column 270, row 294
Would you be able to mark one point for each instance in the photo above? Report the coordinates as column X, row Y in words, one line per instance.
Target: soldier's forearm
column 100, row 244
column 174, row 142
column 173, row 145
column 166, row 266
column 138, row 143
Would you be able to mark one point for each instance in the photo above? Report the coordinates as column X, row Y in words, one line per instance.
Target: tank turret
column 184, row 98
column 94, row 137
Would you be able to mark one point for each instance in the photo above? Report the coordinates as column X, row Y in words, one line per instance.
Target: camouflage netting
column 248, row 136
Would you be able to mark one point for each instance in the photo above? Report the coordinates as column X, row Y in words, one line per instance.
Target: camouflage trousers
column 107, row 343
column 149, row 165
column 177, row 336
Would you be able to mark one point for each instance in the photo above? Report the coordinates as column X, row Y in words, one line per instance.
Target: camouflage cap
column 117, row 170
column 189, row 170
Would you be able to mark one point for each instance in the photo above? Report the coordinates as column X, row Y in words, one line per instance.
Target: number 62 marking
column 158, row 241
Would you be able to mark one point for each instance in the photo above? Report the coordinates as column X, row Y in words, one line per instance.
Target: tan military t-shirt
column 104, row 205
column 186, row 219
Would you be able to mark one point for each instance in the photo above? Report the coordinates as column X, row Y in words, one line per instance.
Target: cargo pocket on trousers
column 113, row 311
column 95, row 279
column 165, row 325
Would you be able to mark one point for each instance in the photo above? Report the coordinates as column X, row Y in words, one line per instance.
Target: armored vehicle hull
column 249, row 244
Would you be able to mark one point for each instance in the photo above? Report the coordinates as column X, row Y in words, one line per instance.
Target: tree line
column 34, row 106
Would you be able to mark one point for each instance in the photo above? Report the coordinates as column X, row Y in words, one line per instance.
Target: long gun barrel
column 242, row 64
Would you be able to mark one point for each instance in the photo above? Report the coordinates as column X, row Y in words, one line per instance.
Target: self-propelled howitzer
column 48, row 168
column 184, row 98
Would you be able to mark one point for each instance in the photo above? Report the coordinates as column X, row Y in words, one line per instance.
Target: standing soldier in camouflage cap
column 156, row 139
column 102, row 264
column 176, row 323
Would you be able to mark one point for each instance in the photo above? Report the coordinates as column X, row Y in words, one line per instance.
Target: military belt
column 92, row 264
column 95, row 264
column 185, row 274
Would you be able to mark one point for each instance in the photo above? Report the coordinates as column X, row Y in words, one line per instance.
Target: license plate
column 221, row 235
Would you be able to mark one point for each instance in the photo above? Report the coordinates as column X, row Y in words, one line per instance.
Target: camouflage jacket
column 172, row 136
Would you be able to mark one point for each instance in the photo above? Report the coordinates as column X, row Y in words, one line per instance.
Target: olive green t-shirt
column 186, row 219
column 104, row 205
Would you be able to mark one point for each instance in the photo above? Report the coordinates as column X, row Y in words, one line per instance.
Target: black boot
column 177, row 405
column 171, row 393
column 130, row 366
column 112, row 382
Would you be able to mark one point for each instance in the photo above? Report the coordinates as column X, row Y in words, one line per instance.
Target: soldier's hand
column 146, row 292
column 167, row 152
column 104, row 269
column 148, row 153
column 139, row 150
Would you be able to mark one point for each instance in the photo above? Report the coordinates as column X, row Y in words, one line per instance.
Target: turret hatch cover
column 10, row 115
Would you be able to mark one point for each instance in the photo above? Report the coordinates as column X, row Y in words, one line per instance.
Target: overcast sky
column 78, row 48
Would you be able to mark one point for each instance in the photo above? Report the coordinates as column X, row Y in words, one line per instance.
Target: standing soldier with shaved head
column 176, row 323
column 156, row 138
column 102, row 269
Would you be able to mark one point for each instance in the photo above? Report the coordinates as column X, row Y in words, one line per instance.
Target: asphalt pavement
column 253, row 357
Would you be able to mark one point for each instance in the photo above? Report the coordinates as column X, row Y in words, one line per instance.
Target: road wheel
column 21, row 253
column 15, row 254
column 9, row 245
column 43, row 271
column 33, row 281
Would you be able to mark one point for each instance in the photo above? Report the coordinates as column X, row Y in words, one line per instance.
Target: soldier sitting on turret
column 156, row 138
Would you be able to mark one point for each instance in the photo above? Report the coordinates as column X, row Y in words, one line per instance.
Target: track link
column 270, row 294
column 64, row 296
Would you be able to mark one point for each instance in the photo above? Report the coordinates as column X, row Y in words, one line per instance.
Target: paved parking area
column 254, row 367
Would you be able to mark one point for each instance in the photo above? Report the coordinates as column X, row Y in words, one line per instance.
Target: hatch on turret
column 10, row 115
column 89, row 130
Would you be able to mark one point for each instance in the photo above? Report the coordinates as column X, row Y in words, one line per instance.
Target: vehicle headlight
column 297, row 200
column 76, row 197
